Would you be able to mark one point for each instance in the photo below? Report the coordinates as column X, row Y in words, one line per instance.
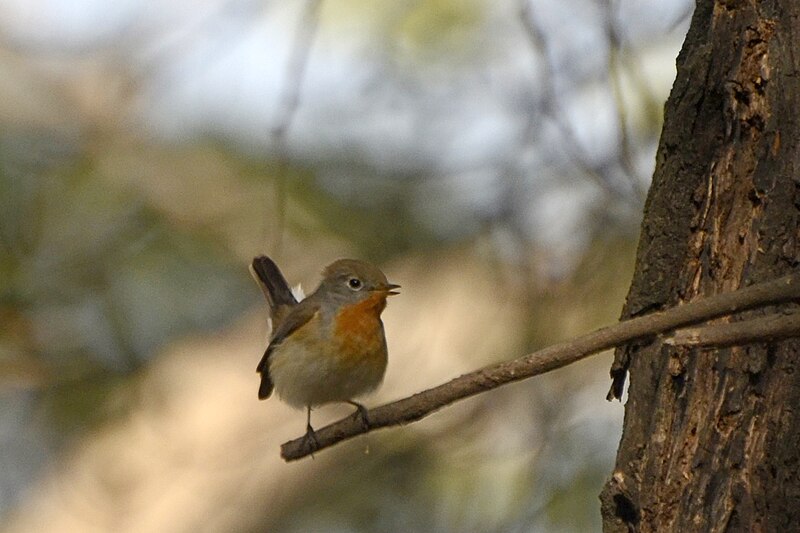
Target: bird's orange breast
column 358, row 329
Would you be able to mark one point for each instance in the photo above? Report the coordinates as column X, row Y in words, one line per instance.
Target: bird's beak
column 391, row 289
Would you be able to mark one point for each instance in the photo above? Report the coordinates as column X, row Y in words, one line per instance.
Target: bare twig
column 288, row 104
column 296, row 69
column 550, row 102
column 765, row 329
column 559, row 355
column 600, row 174
column 615, row 73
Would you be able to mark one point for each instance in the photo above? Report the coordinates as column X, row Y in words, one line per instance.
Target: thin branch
column 288, row 103
column 601, row 174
column 615, row 72
column 550, row 102
column 765, row 329
column 296, row 70
column 559, row 355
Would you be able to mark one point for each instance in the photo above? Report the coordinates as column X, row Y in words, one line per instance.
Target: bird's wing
column 299, row 315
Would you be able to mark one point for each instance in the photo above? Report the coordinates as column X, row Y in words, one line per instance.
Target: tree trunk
column 711, row 438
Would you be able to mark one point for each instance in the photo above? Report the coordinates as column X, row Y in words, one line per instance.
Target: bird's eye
column 354, row 283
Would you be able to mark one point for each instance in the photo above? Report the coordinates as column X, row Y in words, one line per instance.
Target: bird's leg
column 360, row 414
column 310, row 438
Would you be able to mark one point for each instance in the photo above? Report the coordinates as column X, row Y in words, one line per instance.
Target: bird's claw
column 361, row 415
column 310, row 440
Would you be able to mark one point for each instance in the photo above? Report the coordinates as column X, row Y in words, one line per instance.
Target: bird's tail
column 272, row 283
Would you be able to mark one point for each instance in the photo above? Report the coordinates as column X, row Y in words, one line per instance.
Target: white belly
column 304, row 377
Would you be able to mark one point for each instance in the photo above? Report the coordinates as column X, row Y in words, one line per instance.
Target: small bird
column 329, row 347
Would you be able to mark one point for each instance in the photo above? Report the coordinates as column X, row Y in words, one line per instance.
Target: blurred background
column 491, row 156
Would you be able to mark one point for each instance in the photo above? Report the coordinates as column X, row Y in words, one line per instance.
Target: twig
column 288, row 103
column 615, row 67
column 559, row 355
column 296, row 69
column 765, row 329
column 551, row 108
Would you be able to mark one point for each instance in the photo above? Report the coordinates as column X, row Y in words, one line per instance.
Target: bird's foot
column 360, row 414
column 310, row 440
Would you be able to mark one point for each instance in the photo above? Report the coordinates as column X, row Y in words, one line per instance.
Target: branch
column 765, row 329
column 552, row 109
column 295, row 71
column 556, row 356
column 289, row 102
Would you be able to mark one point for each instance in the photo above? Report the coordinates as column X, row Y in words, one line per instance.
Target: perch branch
column 765, row 329
column 556, row 356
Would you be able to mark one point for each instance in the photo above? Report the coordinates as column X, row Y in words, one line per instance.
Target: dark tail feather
column 265, row 389
column 272, row 282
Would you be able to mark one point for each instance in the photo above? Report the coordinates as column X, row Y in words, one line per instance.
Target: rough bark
column 711, row 439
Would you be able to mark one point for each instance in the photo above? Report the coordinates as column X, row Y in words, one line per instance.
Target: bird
column 329, row 347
